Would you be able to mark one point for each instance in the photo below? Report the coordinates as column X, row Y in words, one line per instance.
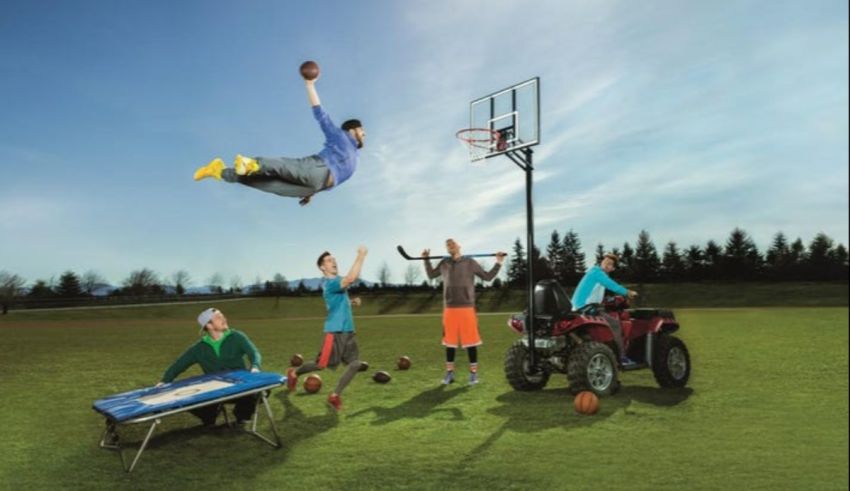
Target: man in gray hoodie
column 460, row 322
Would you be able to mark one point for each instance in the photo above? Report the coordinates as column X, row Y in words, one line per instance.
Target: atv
column 581, row 344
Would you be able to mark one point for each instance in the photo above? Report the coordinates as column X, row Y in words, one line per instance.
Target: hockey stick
column 407, row 256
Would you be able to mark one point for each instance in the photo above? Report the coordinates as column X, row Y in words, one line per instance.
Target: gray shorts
column 338, row 347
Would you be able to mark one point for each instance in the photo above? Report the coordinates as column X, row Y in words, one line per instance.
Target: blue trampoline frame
column 114, row 408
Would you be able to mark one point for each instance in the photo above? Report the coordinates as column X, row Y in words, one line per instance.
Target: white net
column 481, row 142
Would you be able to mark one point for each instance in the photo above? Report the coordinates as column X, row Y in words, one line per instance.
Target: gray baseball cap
column 206, row 316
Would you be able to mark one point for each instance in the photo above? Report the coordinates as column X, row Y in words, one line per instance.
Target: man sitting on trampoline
column 220, row 348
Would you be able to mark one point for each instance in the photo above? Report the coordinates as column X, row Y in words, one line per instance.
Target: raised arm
column 429, row 270
column 486, row 275
column 328, row 127
column 354, row 272
column 312, row 95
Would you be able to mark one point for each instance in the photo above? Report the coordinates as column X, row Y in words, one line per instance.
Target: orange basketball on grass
column 312, row 383
column 586, row 402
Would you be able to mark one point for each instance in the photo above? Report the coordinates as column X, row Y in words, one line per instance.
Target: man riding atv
column 591, row 291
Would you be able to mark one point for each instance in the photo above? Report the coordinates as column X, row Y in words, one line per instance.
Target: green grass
column 766, row 408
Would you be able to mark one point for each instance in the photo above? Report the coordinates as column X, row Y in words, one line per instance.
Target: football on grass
column 381, row 377
column 363, row 366
column 312, row 383
column 296, row 361
column 403, row 363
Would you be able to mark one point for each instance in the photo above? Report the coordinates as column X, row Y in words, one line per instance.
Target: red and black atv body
column 581, row 344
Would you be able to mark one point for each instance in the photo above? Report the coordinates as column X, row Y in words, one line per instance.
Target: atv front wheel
column 592, row 367
column 518, row 370
column 671, row 362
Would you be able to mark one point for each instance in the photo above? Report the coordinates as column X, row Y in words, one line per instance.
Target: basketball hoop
column 481, row 142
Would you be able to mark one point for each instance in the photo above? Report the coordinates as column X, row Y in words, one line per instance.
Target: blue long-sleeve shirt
column 591, row 288
column 340, row 150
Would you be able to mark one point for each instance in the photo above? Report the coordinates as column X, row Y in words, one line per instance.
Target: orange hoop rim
column 479, row 137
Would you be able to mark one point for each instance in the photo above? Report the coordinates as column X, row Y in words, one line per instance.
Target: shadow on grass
column 422, row 405
column 518, row 409
column 296, row 427
column 497, row 298
column 654, row 395
column 230, row 452
column 395, row 302
column 425, row 303
column 293, row 427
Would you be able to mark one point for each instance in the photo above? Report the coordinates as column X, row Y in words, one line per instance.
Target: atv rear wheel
column 517, row 369
column 592, row 366
column 671, row 362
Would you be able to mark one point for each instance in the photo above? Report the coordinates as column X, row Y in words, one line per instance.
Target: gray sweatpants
column 295, row 178
column 350, row 371
column 617, row 331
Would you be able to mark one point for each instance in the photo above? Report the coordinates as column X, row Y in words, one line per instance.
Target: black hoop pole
column 523, row 159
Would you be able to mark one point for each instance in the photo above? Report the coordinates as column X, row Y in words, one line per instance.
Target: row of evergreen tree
column 142, row 282
column 738, row 259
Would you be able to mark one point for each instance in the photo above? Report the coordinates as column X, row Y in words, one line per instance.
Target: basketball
column 586, row 402
column 403, row 363
column 297, row 360
column 309, row 70
column 312, row 383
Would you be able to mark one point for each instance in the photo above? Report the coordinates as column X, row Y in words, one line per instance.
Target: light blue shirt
column 339, row 307
column 591, row 288
column 340, row 151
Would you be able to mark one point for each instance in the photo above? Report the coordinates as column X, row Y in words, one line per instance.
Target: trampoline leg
column 223, row 410
column 111, row 433
column 142, row 448
column 276, row 443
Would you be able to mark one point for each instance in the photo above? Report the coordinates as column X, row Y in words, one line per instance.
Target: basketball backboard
column 513, row 112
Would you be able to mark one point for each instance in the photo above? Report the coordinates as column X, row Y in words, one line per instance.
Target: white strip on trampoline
column 189, row 391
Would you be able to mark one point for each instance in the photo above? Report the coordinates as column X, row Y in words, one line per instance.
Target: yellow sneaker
column 245, row 166
column 213, row 169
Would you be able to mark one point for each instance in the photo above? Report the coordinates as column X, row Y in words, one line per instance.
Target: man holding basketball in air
column 220, row 348
column 460, row 323
column 340, row 344
column 299, row 177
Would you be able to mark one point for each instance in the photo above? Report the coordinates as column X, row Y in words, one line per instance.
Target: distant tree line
column 738, row 259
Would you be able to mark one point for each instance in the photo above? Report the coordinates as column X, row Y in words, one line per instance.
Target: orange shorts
column 460, row 327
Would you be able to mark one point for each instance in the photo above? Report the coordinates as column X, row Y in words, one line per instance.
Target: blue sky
column 683, row 118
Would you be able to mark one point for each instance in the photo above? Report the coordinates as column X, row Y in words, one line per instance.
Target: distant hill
column 105, row 289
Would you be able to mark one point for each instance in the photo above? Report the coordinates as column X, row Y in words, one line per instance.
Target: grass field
column 767, row 407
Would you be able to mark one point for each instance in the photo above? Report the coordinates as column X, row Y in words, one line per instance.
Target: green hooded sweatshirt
column 228, row 353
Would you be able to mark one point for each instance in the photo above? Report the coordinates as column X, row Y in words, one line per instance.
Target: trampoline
column 150, row 405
